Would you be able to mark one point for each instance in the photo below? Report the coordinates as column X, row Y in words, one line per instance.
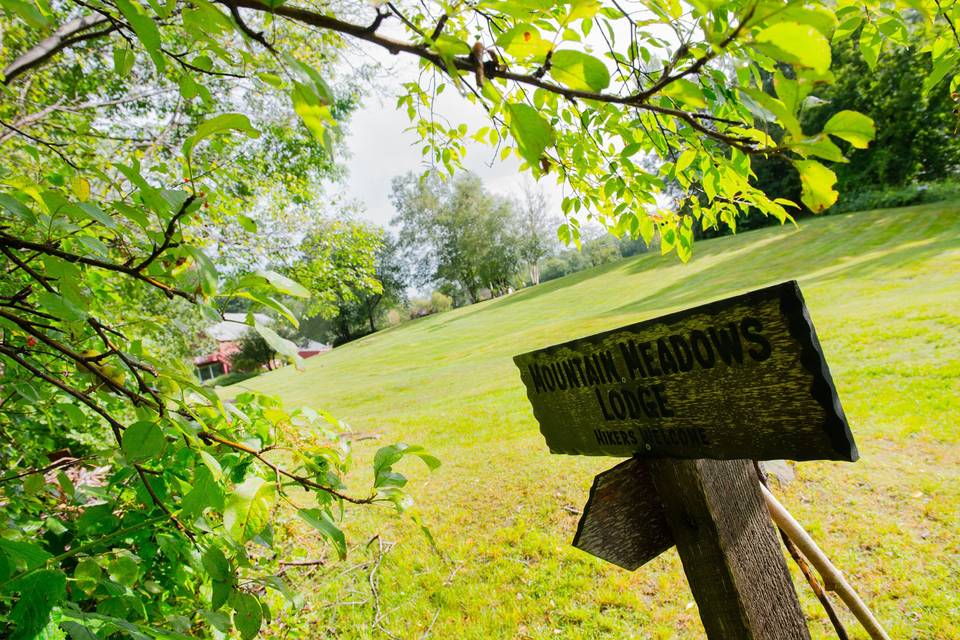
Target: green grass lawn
column 883, row 288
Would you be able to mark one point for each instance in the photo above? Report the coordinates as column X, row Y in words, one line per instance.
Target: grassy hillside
column 883, row 288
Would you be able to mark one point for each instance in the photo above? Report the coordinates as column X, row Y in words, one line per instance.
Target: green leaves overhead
column 796, row 43
column 219, row 125
column 312, row 98
column 855, row 128
column 579, row 71
column 687, row 93
column 531, row 131
column 146, row 29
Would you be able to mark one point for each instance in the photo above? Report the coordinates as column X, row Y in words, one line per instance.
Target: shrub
column 231, row 378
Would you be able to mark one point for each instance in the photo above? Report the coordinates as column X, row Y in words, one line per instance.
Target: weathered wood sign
column 623, row 521
column 694, row 396
column 739, row 378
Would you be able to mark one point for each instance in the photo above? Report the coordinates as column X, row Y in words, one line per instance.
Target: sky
column 380, row 149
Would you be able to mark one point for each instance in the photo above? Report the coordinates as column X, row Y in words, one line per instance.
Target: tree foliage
column 457, row 232
column 916, row 128
column 535, row 230
column 350, row 268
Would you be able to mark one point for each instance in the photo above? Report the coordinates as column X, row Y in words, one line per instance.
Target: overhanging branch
column 68, row 34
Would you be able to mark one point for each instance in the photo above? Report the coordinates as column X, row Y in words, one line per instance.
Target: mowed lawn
column 883, row 288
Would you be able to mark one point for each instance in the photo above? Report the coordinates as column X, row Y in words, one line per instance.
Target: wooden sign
column 739, row 378
column 623, row 521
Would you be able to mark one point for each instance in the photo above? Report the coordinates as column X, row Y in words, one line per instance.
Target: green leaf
column 283, row 284
column 940, row 70
column 321, row 521
column 216, row 564
column 531, row 131
column 311, row 79
column 523, row 42
column 817, row 182
column 124, row 568
column 205, row 494
column 774, row 107
column 449, row 46
column 123, row 59
column 39, row 593
column 247, row 510
column 247, row 614
column 314, row 112
column 217, row 125
column 146, row 29
column 685, row 159
column 687, row 92
column 142, row 441
column 27, row 11
column 800, row 44
column 870, row 43
column 278, row 343
column 24, row 555
column 820, row 147
column 579, row 71
column 220, row 593
column 855, row 128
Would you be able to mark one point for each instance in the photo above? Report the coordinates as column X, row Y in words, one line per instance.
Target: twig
column 302, row 563
column 372, row 579
column 426, row 633
column 805, row 569
column 832, row 578
column 208, row 437
column 59, row 464
column 159, row 503
column 79, row 395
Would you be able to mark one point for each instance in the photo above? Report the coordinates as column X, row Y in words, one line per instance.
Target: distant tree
column 456, row 232
column 537, row 230
column 339, row 268
column 254, row 354
column 391, row 273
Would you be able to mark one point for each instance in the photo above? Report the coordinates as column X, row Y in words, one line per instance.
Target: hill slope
column 883, row 288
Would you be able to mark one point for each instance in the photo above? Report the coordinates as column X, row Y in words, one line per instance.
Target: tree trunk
column 535, row 273
column 372, row 313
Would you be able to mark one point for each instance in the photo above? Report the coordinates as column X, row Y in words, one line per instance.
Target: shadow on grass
column 857, row 244
column 867, row 244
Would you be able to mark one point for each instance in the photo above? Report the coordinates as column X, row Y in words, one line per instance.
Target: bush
column 898, row 197
column 230, row 378
column 438, row 303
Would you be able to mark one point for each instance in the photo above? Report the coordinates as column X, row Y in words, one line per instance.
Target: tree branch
column 208, row 437
column 67, row 34
column 59, row 464
column 79, row 395
column 469, row 64
column 134, row 271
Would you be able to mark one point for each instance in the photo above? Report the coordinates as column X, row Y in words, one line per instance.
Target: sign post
column 692, row 398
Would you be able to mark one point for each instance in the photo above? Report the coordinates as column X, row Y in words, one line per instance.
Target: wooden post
column 729, row 551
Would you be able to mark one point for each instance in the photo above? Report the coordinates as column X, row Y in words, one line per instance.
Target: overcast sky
column 380, row 148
